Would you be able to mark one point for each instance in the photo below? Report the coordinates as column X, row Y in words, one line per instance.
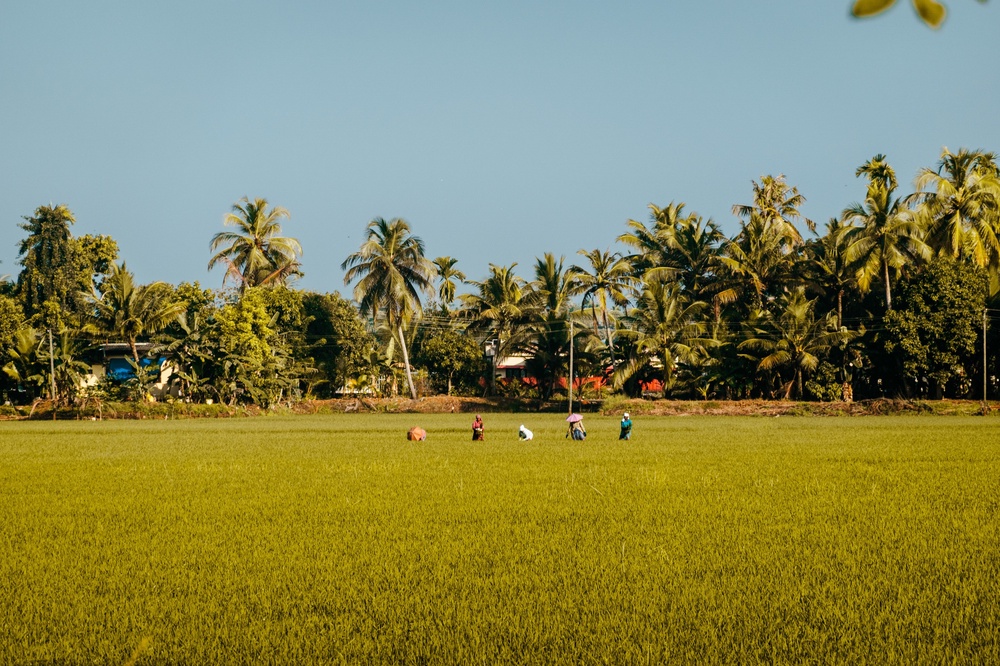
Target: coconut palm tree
column 447, row 274
column 777, row 205
column 962, row 206
column 130, row 311
column 696, row 247
column 756, row 264
column 828, row 270
column 608, row 278
column 549, row 297
column 498, row 307
column 653, row 244
column 793, row 340
column 256, row 253
column 758, row 261
column 885, row 235
column 392, row 272
column 668, row 329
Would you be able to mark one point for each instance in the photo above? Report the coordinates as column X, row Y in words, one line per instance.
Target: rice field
column 333, row 540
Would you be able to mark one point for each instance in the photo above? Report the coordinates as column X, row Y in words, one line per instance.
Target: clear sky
column 499, row 130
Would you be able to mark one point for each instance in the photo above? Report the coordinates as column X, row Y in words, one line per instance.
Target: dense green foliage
column 343, row 347
column 779, row 310
column 333, row 539
column 938, row 323
column 451, row 357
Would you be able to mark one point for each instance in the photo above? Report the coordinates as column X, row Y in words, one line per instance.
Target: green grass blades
column 332, row 539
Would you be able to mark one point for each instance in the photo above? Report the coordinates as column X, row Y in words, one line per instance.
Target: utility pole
column 52, row 374
column 52, row 366
column 984, row 360
column 571, row 360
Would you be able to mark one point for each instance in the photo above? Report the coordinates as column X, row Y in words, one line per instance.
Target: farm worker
column 524, row 433
column 477, row 429
column 626, row 432
column 577, row 431
column 416, row 434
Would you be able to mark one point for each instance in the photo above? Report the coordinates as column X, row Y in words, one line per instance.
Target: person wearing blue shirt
column 626, row 432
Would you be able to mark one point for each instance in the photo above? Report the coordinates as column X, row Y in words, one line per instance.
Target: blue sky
column 499, row 130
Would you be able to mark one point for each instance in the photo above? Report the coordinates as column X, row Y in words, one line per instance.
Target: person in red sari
column 477, row 429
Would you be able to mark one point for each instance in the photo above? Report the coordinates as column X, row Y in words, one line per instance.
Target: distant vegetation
column 890, row 297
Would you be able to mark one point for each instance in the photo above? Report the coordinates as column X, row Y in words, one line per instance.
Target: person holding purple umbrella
column 576, row 429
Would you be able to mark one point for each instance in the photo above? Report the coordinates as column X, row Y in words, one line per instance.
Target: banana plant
column 26, row 366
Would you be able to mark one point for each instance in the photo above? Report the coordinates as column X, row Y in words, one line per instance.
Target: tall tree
column 392, row 272
column 549, row 296
column 96, row 254
column 654, row 245
column 447, row 276
column 450, row 354
column 130, row 311
column 886, row 235
column 795, row 340
column 606, row 280
column 828, row 269
column 696, row 247
column 757, row 264
column 962, row 206
column 48, row 257
column 777, row 205
column 344, row 344
column 498, row 307
column 668, row 330
column 934, row 334
column 256, row 254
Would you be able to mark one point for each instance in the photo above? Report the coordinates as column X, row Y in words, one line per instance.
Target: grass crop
column 331, row 539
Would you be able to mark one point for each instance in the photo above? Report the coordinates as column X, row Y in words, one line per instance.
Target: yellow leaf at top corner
column 931, row 12
column 871, row 7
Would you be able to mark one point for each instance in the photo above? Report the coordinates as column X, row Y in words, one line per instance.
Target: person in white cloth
column 524, row 433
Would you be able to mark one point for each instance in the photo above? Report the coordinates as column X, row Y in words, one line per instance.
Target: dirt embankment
column 451, row 404
column 455, row 405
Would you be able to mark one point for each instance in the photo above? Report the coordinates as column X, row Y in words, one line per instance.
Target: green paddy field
column 331, row 539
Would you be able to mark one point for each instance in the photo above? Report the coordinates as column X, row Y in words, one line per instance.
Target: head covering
column 626, row 415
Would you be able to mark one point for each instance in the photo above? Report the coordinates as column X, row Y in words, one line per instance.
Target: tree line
column 892, row 296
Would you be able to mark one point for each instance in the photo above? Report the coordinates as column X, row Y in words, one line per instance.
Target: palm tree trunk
column 840, row 309
column 607, row 332
column 406, row 363
column 885, row 278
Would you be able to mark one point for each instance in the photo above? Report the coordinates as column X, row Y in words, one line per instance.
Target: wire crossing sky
column 499, row 130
